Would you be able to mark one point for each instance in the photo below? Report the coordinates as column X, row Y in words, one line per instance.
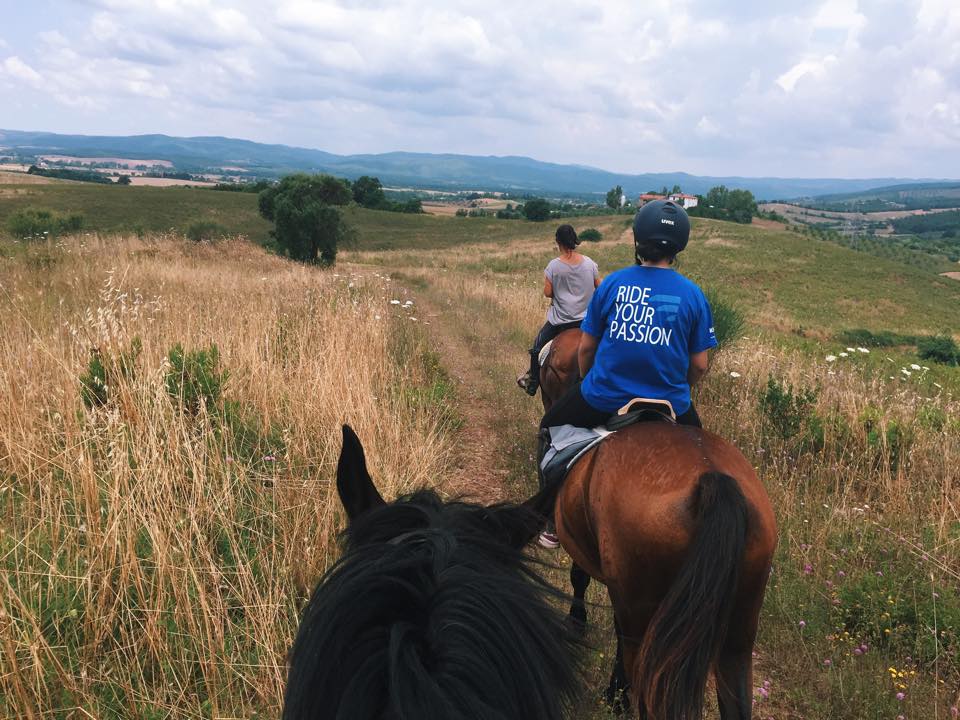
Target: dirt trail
column 480, row 471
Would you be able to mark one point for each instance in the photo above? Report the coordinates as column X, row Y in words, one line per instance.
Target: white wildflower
column 843, row 354
column 914, row 366
column 906, row 372
column 734, row 374
column 851, row 349
column 830, row 358
column 394, row 302
column 863, row 350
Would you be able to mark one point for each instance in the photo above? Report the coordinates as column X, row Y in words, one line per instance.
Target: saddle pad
column 544, row 351
column 568, row 443
column 564, row 436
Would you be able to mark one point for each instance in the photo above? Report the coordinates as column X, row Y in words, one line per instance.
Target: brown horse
column 674, row 521
column 559, row 370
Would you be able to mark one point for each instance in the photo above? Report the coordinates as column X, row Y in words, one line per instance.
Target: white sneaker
column 549, row 540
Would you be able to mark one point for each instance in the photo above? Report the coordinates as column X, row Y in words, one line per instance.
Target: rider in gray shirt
column 569, row 281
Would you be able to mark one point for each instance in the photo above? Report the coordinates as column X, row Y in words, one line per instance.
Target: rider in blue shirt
column 647, row 331
column 646, row 334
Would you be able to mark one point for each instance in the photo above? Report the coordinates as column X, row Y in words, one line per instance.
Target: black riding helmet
column 663, row 226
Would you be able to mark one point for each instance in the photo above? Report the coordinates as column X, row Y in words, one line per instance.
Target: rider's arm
column 586, row 353
column 699, row 362
column 547, row 287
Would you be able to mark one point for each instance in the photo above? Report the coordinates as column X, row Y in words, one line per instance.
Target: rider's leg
column 571, row 409
column 690, row 417
column 546, row 334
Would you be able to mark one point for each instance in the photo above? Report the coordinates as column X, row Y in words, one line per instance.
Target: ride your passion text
column 634, row 317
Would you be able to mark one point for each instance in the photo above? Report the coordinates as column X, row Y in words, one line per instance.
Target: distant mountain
column 420, row 170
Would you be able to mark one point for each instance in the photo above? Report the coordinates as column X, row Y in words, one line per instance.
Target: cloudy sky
column 843, row 88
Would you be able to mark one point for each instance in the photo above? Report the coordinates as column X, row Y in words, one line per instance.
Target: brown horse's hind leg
column 734, row 673
column 577, row 618
column 734, row 666
column 616, row 695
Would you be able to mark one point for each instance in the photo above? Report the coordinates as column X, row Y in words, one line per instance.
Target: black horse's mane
column 431, row 615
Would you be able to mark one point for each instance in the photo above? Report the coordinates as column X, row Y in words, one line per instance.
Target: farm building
column 686, row 201
column 649, row 197
column 682, row 199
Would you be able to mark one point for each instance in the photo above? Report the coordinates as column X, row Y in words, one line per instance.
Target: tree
column 723, row 204
column 307, row 224
column 536, row 209
column 123, row 180
column 614, row 196
column 717, row 196
column 741, row 207
column 368, row 192
column 676, row 190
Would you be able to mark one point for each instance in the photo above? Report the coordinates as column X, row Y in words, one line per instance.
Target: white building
column 684, row 200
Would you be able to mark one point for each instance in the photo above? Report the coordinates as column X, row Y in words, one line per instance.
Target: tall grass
column 154, row 554
column 157, row 541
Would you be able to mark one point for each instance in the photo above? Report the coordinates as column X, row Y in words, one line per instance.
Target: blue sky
column 846, row 88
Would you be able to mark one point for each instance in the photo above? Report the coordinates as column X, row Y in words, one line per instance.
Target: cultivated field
column 159, row 537
column 800, row 213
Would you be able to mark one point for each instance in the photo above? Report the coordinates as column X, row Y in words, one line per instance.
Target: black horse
column 432, row 613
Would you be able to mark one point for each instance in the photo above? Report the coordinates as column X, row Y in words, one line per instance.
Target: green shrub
column 206, row 231
column 787, row 413
column 865, row 338
column 105, row 372
column 40, row 224
column 728, row 319
column 942, row 349
column 591, row 235
column 195, row 379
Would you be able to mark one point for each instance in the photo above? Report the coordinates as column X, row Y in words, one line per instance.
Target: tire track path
column 481, row 464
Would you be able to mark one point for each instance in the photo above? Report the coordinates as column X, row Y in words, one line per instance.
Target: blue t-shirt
column 648, row 322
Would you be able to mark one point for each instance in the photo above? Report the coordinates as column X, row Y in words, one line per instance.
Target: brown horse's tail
column 686, row 632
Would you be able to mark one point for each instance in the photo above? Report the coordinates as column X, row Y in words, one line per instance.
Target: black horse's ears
column 357, row 491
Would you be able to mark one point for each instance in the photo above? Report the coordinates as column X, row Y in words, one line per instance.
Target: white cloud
column 807, row 67
column 15, row 68
column 842, row 87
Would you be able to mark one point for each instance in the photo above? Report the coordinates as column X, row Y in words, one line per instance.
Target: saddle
column 569, row 443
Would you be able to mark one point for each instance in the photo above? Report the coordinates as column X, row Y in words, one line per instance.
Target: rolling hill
column 420, row 170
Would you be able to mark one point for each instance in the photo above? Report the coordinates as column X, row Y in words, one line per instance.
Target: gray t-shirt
column 573, row 287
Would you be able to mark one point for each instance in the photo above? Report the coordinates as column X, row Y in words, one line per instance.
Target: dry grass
column 153, row 560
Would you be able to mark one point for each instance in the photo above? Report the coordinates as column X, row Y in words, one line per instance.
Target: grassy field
column 139, row 209
column 158, row 535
